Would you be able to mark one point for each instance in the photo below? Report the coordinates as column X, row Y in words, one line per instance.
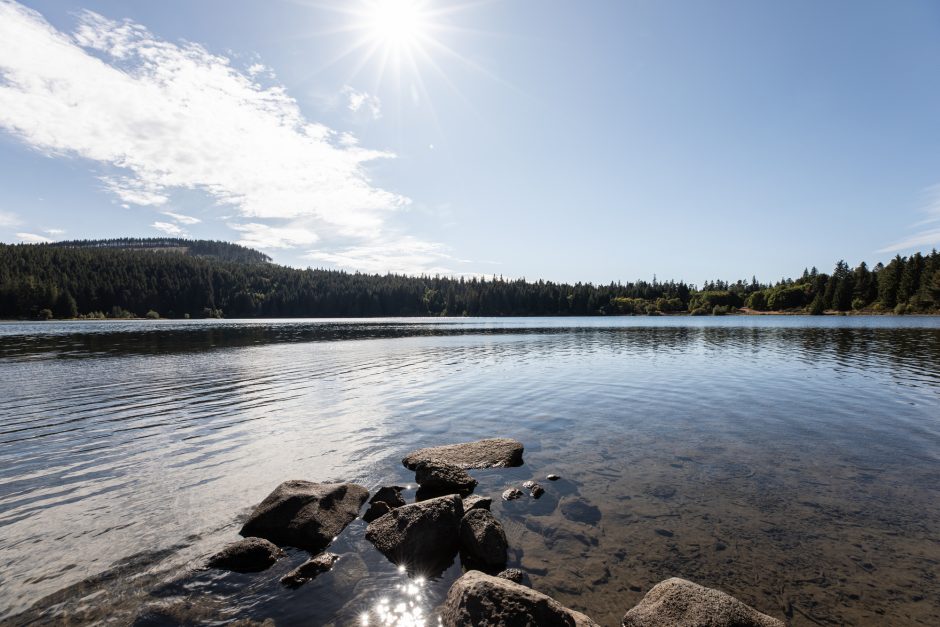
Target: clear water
column 791, row 461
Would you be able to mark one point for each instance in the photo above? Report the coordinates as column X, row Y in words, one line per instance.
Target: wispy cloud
column 255, row 235
column 929, row 237
column 402, row 255
column 54, row 232
column 32, row 238
column 163, row 117
column 8, row 218
column 169, row 228
column 360, row 101
column 180, row 218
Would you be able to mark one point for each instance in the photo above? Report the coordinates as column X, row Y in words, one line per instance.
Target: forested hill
column 225, row 251
column 140, row 278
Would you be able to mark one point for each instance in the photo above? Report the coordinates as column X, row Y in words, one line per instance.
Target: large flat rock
column 492, row 453
column 677, row 602
column 479, row 600
column 305, row 514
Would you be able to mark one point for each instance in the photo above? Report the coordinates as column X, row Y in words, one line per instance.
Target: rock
column 492, row 453
column 579, row 510
column 482, row 540
column 679, row 603
column 420, row 535
column 309, row 569
column 382, row 502
column 249, row 555
column 512, row 574
column 478, row 599
column 534, row 489
column 553, row 477
column 512, row 494
column 304, row 514
column 436, row 477
column 476, row 502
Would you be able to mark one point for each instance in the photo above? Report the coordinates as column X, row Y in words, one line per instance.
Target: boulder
column 482, row 540
column 477, row 599
column 476, row 502
column 382, row 502
column 304, row 514
column 679, row 603
column 436, row 477
column 421, row 536
column 309, row 569
column 249, row 555
column 492, row 453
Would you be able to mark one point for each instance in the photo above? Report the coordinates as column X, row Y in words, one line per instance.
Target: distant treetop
column 225, row 251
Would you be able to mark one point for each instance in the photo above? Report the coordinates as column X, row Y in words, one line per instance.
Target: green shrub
column 152, row 315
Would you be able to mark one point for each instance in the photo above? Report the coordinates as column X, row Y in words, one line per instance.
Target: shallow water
column 791, row 461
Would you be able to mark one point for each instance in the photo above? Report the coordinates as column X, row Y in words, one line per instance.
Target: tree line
column 181, row 278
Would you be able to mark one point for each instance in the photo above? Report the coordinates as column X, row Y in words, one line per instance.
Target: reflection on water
column 794, row 462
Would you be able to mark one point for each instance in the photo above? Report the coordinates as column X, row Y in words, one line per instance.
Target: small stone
column 249, row 555
column 512, row 494
column 512, row 574
column 309, row 569
column 476, row 502
column 528, row 485
column 553, row 477
column 535, row 489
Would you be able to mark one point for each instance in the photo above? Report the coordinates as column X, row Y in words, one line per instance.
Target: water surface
column 791, row 461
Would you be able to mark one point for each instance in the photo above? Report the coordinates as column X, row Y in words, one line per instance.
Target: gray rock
column 304, row 514
column 512, row 574
column 482, row 540
column 477, row 599
column 436, row 478
column 512, row 494
column 309, row 569
column 382, row 502
column 679, row 603
column 534, row 489
column 249, row 555
column 492, row 453
column 476, row 502
column 553, row 477
column 581, row 511
column 422, row 536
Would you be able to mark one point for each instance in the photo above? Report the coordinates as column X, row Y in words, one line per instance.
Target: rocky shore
column 446, row 521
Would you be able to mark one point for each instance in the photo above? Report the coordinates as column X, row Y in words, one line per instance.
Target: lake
column 791, row 461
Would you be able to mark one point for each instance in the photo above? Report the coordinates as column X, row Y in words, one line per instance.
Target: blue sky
column 566, row 141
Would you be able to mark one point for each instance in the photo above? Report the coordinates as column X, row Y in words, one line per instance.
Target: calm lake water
column 791, row 461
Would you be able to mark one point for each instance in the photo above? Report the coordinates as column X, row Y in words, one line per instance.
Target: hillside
column 183, row 278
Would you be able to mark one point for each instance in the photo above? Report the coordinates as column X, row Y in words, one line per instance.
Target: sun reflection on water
column 404, row 609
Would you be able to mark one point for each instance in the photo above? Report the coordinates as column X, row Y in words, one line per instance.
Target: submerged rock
column 492, row 453
column 482, row 540
column 382, row 502
column 478, row 599
column 249, row 555
column 304, row 514
column 534, row 489
column 579, row 510
column 309, row 569
column 436, row 477
column 476, row 502
column 680, row 603
column 512, row 494
column 420, row 536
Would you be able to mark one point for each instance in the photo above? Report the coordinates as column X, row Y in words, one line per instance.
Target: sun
column 397, row 24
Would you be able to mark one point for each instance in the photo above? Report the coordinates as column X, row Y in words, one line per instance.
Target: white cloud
column 54, row 232
column 255, row 235
column 169, row 228
column 926, row 238
column 180, row 218
column 360, row 101
column 8, row 218
column 171, row 116
column 32, row 238
column 404, row 255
